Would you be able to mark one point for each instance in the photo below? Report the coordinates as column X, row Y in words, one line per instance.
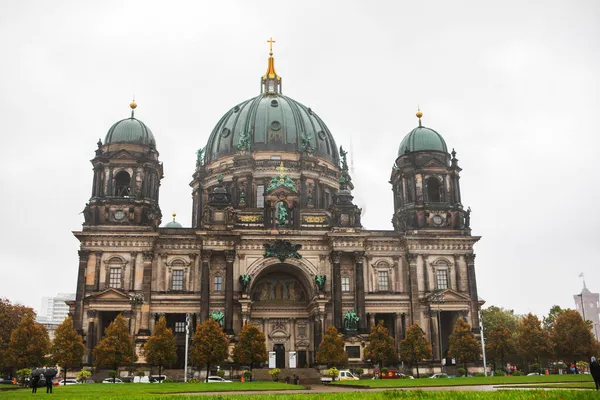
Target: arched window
column 122, row 182
column 434, row 190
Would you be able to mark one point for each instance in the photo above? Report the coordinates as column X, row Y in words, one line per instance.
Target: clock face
column 119, row 214
column 437, row 219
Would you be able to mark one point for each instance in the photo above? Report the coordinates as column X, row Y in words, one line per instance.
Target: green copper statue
column 244, row 144
column 282, row 213
column 200, row 157
column 344, row 161
column 245, row 282
column 218, row 316
column 320, row 281
column 350, row 320
column 306, row 147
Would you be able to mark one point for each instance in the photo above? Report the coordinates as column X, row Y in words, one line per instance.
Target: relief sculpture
column 284, row 288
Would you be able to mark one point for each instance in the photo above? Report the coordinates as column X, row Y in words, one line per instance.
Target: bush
column 23, row 373
column 167, row 380
column 140, row 373
column 193, row 380
column 247, row 374
column 333, row 372
column 112, row 373
column 83, row 375
column 479, row 374
column 535, row 367
column 359, row 371
column 384, row 371
column 461, row 372
column 499, row 372
column 275, row 374
column 518, row 373
column 221, row 373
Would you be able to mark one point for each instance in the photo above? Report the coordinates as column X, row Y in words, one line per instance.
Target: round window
column 321, row 135
column 275, row 125
column 225, row 132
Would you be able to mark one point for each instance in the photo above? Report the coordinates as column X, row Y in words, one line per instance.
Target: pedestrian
column 595, row 371
column 34, row 383
column 296, row 380
column 48, row 383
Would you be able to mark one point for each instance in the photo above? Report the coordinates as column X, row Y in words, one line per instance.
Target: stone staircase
column 308, row 376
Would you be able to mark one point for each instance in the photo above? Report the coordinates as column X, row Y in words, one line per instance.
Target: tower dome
column 422, row 139
column 130, row 130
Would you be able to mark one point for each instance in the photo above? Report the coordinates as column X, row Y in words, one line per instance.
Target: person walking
column 48, row 383
column 595, row 371
column 35, row 380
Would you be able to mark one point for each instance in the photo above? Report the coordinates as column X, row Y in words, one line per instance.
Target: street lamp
column 136, row 299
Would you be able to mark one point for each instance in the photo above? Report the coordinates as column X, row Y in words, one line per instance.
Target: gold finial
column 174, row 215
column 419, row 114
column 282, row 170
column 271, row 41
column 133, row 105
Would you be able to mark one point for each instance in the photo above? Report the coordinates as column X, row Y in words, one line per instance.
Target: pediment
column 123, row 155
column 434, row 163
column 448, row 296
column 110, row 294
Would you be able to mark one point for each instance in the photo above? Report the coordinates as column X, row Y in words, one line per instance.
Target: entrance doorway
column 302, row 359
column 279, row 350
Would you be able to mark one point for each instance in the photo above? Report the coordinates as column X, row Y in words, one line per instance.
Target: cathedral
column 276, row 239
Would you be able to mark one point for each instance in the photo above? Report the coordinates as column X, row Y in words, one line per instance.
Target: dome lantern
column 271, row 82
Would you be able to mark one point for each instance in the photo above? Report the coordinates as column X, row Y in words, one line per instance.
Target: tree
column 10, row 315
column 116, row 348
column 533, row 342
column 493, row 316
column 415, row 347
column 67, row 347
column 83, row 375
column 331, row 349
column 251, row 348
column 500, row 344
column 554, row 312
column 209, row 345
column 381, row 347
column 29, row 344
column 572, row 337
column 161, row 348
column 463, row 344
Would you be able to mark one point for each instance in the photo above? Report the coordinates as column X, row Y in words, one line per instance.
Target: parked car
column 157, row 378
column 89, row 381
column 391, row 374
column 216, row 379
column 533, row 374
column 438, row 376
column 69, row 382
column 110, row 380
column 6, row 380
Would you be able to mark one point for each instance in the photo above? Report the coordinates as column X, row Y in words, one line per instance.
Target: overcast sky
column 511, row 85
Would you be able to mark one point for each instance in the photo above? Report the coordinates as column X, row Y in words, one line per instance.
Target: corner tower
column 127, row 176
column 425, row 182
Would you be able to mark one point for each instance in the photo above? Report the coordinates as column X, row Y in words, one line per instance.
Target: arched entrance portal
column 283, row 307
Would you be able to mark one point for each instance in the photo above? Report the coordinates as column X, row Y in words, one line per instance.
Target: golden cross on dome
column 282, row 170
column 271, row 41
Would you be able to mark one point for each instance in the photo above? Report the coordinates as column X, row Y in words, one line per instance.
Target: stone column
column 398, row 326
column 426, row 281
column 359, row 294
column 147, row 257
column 457, row 274
column 205, row 285
column 470, row 259
column 229, row 259
column 132, row 275
column 191, row 286
column 90, row 340
column 79, row 295
column 372, row 319
column 337, row 290
column 98, row 255
column 413, row 287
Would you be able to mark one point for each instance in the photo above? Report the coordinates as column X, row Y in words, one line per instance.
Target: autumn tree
column 116, row 349
column 493, row 316
column 331, row 349
column 251, row 348
column 29, row 344
column 548, row 322
column 10, row 315
column 161, row 348
column 463, row 344
column 209, row 345
column 415, row 347
column 572, row 337
column 67, row 347
column 381, row 347
column 533, row 342
column 500, row 344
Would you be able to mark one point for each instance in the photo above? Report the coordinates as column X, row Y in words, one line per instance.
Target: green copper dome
column 422, row 139
column 271, row 122
column 129, row 130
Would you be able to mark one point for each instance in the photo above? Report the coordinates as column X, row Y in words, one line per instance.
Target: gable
column 109, row 294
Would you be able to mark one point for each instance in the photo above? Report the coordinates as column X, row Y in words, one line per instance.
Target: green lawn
column 490, row 380
column 143, row 391
column 168, row 391
column 134, row 391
